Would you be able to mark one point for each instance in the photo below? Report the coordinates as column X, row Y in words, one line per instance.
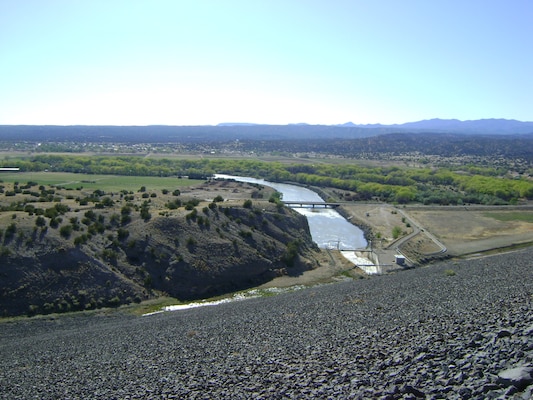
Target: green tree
column 396, row 232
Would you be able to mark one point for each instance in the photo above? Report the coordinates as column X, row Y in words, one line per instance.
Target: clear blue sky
column 202, row 62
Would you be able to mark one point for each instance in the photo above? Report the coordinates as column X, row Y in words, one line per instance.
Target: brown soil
column 380, row 218
column 462, row 230
column 332, row 267
column 466, row 230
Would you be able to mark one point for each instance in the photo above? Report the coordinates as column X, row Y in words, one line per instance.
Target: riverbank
column 461, row 329
column 332, row 267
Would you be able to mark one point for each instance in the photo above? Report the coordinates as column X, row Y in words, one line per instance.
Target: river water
column 328, row 228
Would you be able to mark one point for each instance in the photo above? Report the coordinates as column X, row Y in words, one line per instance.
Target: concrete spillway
column 361, row 262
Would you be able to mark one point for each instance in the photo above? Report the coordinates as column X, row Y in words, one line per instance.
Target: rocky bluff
column 187, row 253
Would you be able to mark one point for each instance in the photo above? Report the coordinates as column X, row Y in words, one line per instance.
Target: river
column 328, row 228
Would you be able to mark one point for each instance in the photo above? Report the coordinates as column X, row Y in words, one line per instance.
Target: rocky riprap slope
column 460, row 329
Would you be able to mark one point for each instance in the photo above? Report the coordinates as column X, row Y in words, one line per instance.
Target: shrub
column 30, row 209
column 91, row 215
column 95, row 228
column 66, row 231
column 62, row 208
column 191, row 204
column 40, row 221
column 10, row 230
column 109, row 254
column 114, row 302
column 115, row 219
column 51, row 213
column 107, row 202
column 245, row 234
column 275, row 198
column 291, row 252
column 81, row 239
column 145, row 214
column 192, row 215
column 122, row 233
column 173, row 205
column 396, row 232
column 147, row 281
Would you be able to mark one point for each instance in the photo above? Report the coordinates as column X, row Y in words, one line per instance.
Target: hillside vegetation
column 75, row 249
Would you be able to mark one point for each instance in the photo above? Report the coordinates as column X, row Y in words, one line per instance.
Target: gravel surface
column 451, row 330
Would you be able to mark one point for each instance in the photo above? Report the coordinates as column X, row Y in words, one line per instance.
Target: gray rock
column 465, row 393
column 520, row 377
column 307, row 343
column 503, row 333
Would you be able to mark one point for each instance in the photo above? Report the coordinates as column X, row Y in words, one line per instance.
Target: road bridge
column 311, row 204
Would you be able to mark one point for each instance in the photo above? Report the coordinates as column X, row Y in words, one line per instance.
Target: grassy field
column 102, row 182
column 511, row 216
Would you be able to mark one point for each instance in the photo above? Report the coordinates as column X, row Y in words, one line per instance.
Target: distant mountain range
column 488, row 126
column 249, row 131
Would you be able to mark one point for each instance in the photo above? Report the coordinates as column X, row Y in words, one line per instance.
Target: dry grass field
column 462, row 230
column 470, row 230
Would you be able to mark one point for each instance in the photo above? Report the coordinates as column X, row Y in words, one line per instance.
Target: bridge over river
column 311, row 204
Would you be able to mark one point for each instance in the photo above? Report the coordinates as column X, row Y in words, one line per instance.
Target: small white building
column 400, row 260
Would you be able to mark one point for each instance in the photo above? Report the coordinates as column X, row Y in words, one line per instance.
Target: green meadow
column 103, row 182
column 511, row 216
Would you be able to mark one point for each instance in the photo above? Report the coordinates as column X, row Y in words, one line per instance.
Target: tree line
column 467, row 184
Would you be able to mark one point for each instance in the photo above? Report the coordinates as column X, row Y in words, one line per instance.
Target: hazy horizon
column 140, row 63
column 233, row 123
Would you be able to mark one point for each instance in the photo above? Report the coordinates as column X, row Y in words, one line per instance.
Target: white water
column 248, row 294
column 364, row 263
